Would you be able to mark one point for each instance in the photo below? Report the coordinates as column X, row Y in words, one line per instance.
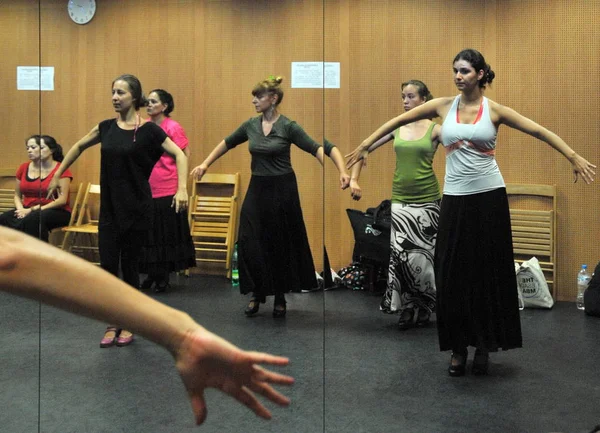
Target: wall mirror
column 208, row 55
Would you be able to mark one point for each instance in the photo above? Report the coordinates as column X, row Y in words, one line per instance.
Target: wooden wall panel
column 547, row 69
column 21, row 109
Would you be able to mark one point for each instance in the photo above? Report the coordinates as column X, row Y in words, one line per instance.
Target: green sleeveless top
column 414, row 180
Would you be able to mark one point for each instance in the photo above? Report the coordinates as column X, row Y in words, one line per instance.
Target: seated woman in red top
column 31, row 189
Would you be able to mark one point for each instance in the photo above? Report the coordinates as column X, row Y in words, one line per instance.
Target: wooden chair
column 58, row 231
column 81, row 235
column 533, row 220
column 7, row 189
column 213, row 218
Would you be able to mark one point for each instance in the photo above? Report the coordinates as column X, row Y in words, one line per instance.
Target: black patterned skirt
column 169, row 246
column 477, row 298
column 273, row 250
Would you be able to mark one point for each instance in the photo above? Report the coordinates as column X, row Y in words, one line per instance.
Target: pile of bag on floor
column 532, row 285
column 361, row 276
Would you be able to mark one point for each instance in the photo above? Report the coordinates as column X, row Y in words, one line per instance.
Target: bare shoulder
column 500, row 113
column 443, row 105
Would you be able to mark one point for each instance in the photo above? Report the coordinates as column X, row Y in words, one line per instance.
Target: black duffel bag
column 372, row 233
column 591, row 297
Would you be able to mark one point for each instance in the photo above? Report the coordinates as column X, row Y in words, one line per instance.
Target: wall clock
column 81, row 11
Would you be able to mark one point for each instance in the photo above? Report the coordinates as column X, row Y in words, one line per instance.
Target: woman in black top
column 273, row 252
column 129, row 150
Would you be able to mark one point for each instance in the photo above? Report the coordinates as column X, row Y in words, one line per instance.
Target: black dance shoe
column 161, row 287
column 458, row 363
column 423, row 317
column 480, row 363
column 147, row 283
column 253, row 306
column 407, row 318
column 279, row 307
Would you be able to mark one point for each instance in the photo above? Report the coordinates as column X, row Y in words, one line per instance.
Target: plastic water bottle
column 235, row 275
column 583, row 279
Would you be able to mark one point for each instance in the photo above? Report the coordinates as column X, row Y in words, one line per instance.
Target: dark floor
column 355, row 371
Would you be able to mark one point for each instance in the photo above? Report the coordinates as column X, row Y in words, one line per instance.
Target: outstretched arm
column 509, row 117
column 217, row 152
column 89, row 140
column 430, row 109
column 37, row 270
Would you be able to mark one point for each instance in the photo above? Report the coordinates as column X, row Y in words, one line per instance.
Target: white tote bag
column 532, row 285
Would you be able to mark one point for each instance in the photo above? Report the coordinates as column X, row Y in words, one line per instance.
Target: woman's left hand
column 583, row 167
column 180, row 201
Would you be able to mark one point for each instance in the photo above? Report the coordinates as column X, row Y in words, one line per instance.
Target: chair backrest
column 76, row 206
column 533, row 221
column 82, row 215
column 217, row 185
column 7, row 189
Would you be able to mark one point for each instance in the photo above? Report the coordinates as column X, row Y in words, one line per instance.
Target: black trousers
column 50, row 219
column 121, row 249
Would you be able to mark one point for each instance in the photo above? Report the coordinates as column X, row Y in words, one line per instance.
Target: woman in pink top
column 31, row 189
column 169, row 247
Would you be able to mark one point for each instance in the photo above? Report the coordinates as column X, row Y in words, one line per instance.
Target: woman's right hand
column 22, row 213
column 355, row 190
column 53, row 188
column 199, row 171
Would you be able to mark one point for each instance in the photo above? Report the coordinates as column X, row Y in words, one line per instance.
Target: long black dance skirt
column 273, row 251
column 169, row 246
column 477, row 298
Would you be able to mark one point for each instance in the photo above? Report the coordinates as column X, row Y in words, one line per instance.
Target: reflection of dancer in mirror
column 475, row 279
column 129, row 149
column 31, row 189
column 39, row 271
column 273, row 251
column 415, row 213
column 169, row 247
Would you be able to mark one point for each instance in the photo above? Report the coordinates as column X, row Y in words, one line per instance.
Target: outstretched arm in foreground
column 36, row 270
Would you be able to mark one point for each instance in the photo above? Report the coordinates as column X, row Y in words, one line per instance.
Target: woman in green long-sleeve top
column 274, row 255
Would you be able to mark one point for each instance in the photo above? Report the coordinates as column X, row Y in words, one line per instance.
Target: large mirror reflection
column 19, row 341
column 212, row 73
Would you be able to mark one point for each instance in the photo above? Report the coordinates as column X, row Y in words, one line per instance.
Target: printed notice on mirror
column 35, row 78
column 316, row 75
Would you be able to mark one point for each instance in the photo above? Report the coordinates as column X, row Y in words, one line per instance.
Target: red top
column 33, row 192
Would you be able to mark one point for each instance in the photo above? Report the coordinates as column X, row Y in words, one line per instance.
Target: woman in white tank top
column 474, row 272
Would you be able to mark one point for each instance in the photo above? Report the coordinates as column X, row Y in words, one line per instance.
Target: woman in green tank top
column 415, row 212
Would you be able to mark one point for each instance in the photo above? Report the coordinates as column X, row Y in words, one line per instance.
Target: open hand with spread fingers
column 356, row 155
column 583, row 167
column 205, row 360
